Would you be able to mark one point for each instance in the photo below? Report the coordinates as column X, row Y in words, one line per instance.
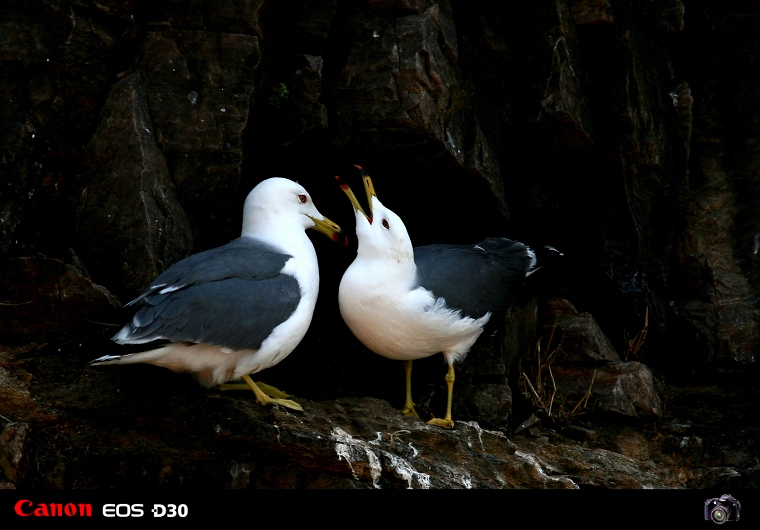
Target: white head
column 281, row 204
column 384, row 236
column 381, row 234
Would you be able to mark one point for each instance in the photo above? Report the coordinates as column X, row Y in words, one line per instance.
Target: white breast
column 397, row 321
column 284, row 338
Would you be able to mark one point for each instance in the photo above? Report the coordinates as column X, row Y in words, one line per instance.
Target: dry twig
column 538, row 393
column 636, row 343
column 396, row 433
column 537, row 382
column 584, row 400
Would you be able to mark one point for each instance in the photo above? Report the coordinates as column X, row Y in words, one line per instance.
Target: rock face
column 623, row 388
column 198, row 88
column 622, row 133
column 131, row 225
column 582, row 339
column 47, row 295
column 720, row 239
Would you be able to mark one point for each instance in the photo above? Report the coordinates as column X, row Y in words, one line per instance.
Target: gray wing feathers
column 474, row 279
column 232, row 296
column 241, row 258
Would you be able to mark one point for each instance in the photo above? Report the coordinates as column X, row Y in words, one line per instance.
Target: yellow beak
column 330, row 229
column 368, row 188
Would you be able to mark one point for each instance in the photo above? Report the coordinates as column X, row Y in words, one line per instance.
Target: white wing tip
column 169, row 289
column 105, row 359
column 123, row 335
column 533, row 261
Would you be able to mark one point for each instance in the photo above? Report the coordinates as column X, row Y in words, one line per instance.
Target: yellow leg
column 272, row 391
column 447, row 421
column 267, row 389
column 408, row 409
column 264, row 399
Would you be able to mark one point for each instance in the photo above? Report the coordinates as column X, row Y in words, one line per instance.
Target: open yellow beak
column 368, row 188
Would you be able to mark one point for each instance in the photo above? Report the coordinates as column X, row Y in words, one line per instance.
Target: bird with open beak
column 407, row 303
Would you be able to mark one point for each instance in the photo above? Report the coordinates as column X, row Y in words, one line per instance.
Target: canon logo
column 26, row 508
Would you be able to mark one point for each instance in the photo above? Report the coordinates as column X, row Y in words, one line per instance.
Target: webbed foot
column 409, row 411
column 265, row 394
column 267, row 389
column 442, row 422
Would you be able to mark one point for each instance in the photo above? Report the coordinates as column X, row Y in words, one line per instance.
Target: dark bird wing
column 232, row 296
column 474, row 279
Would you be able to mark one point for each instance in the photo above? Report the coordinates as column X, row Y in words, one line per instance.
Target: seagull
column 240, row 308
column 408, row 303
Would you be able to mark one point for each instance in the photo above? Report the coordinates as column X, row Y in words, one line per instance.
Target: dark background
column 622, row 132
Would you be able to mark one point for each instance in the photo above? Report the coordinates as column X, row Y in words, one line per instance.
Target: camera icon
column 725, row 508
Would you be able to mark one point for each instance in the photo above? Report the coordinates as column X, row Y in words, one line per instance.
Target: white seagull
column 408, row 303
column 240, row 308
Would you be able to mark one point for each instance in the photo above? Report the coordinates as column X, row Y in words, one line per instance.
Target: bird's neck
column 303, row 265
column 401, row 253
column 289, row 238
column 388, row 270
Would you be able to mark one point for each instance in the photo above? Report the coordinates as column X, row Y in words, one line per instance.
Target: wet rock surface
column 621, row 133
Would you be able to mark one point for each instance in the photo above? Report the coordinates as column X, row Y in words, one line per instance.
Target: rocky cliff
column 621, row 132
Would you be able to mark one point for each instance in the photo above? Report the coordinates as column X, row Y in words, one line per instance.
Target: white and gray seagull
column 237, row 309
column 408, row 303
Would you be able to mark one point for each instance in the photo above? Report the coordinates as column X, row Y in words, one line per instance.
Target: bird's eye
column 302, row 198
column 385, row 224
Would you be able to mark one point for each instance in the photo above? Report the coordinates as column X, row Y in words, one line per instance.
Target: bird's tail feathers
column 129, row 358
column 543, row 256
